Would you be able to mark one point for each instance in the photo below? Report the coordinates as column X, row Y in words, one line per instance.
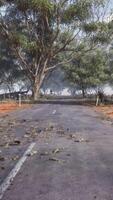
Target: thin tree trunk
column 83, row 93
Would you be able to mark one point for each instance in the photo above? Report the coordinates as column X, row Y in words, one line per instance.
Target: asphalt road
column 73, row 155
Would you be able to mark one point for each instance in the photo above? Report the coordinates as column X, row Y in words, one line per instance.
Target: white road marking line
column 54, row 111
column 7, row 182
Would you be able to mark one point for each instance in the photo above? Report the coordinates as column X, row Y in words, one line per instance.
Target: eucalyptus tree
column 88, row 71
column 45, row 34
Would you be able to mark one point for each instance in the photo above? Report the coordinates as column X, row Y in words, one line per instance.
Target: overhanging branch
column 60, row 63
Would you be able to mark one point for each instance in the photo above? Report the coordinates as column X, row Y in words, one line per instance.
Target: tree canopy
column 88, row 71
column 44, row 34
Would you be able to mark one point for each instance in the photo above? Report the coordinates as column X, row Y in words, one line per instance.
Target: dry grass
column 106, row 110
column 11, row 106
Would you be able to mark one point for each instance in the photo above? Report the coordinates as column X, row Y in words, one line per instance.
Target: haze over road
column 74, row 159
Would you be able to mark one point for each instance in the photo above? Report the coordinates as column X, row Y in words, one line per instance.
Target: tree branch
column 66, row 43
column 25, row 64
column 60, row 63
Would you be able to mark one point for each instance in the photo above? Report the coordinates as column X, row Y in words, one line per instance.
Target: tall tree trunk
column 37, row 85
column 36, row 90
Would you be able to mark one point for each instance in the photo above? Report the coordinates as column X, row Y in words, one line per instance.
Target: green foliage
column 110, row 61
column 64, row 36
column 77, row 11
column 110, row 25
column 18, row 39
column 45, row 5
column 32, row 47
column 91, row 27
column 9, row 70
column 89, row 70
column 101, row 38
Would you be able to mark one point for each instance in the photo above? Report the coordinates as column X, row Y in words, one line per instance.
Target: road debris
column 15, row 158
column 27, row 132
column 23, row 121
column 57, row 160
column 57, row 150
column 32, row 153
column 60, row 132
column 39, row 130
column 81, row 140
column 72, row 136
column 12, row 123
column 2, row 167
column 2, row 158
column 26, row 136
column 15, row 142
column 44, row 153
column 77, row 138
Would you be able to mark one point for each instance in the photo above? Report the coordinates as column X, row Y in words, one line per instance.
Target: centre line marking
column 9, row 179
column 54, row 111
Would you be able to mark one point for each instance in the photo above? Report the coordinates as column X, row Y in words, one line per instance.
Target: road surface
column 72, row 158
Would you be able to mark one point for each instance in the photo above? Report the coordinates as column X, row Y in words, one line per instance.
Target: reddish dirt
column 11, row 106
column 106, row 110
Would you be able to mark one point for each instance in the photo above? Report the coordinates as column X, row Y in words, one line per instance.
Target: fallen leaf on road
column 77, row 140
column 15, row 158
column 23, row 120
column 12, row 124
column 2, row 167
column 57, row 160
column 72, row 136
column 27, row 133
column 58, row 150
column 61, row 132
column 32, row 153
column 26, row 136
column 2, row 158
column 39, row 130
column 15, row 142
column 44, row 153
column 50, row 126
column 81, row 140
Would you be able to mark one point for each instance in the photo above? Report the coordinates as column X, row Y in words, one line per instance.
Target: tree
column 39, row 31
column 10, row 72
column 88, row 71
column 110, row 61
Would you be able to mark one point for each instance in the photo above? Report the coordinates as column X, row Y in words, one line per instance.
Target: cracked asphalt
column 73, row 157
